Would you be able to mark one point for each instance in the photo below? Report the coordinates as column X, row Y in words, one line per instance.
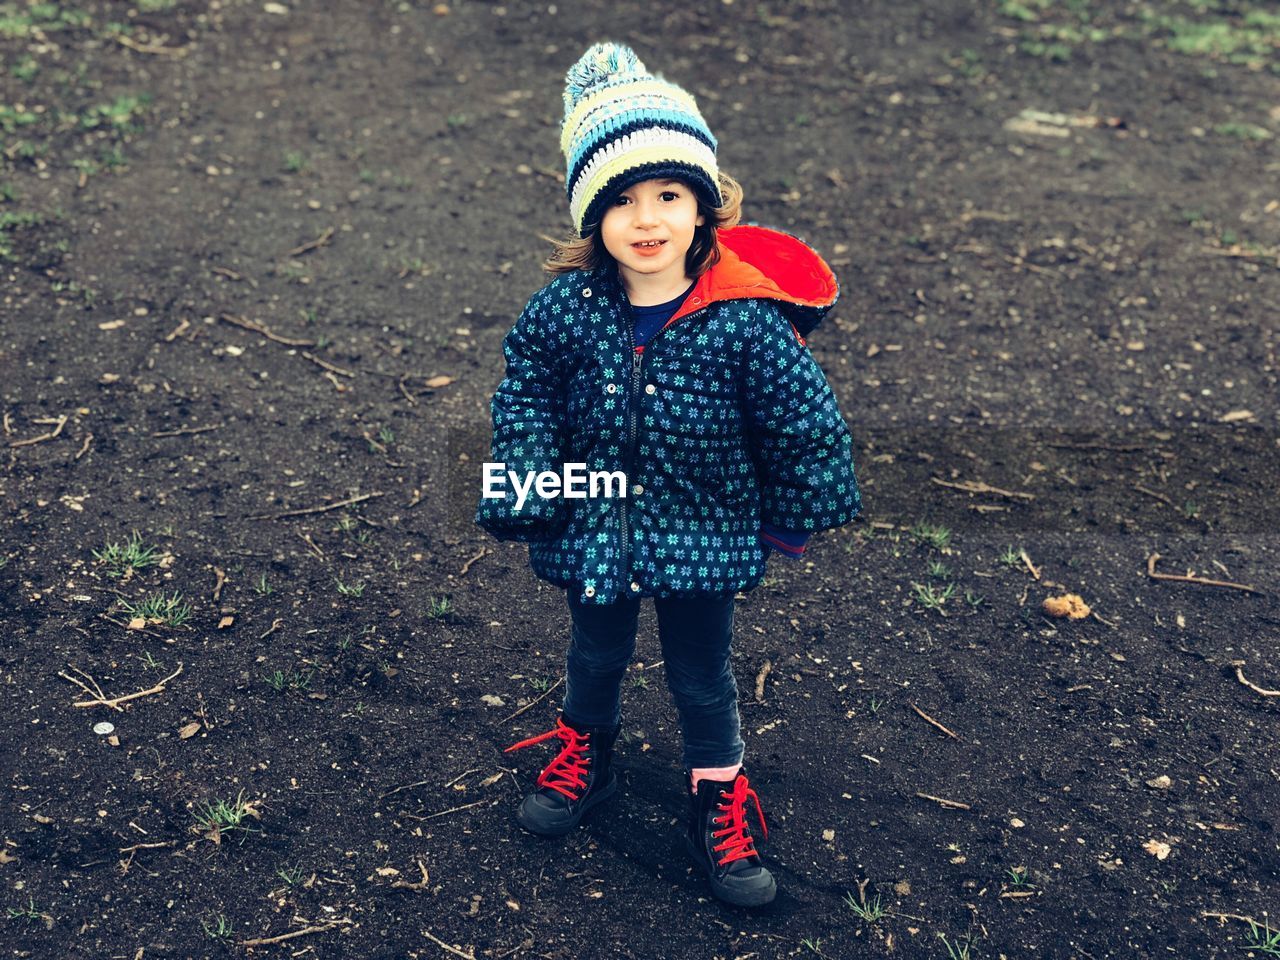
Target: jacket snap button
column 611, row 388
column 586, row 291
column 590, row 591
column 634, row 585
column 697, row 300
column 637, row 489
column 650, row 388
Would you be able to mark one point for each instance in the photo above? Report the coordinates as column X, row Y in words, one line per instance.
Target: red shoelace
column 567, row 771
column 737, row 842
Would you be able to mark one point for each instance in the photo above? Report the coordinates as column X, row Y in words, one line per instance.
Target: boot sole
column 738, row 898
column 600, row 796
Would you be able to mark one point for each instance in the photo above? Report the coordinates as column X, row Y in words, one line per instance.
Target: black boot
column 718, row 840
column 580, row 777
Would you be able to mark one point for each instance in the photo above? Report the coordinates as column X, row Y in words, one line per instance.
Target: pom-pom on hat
column 623, row 125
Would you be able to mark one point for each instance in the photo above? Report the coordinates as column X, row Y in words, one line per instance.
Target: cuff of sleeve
column 790, row 543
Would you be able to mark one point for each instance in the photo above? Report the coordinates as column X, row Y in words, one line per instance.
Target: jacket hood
column 767, row 264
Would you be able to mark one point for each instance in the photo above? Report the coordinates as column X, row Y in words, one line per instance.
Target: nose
column 646, row 214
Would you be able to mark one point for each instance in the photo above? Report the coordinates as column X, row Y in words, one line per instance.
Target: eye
column 670, row 193
column 620, row 201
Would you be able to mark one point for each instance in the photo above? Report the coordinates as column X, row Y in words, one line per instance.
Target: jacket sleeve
column 528, row 433
column 800, row 443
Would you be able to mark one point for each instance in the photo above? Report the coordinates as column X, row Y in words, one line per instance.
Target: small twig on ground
column 276, row 624
column 956, row 804
column 315, row 928
column 61, row 422
column 407, row 395
column 177, row 331
column 221, row 579
column 419, row 885
column 309, row 510
column 978, row 486
column 1191, row 578
column 1239, row 665
column 152, row 48
column 315, row 244
column 1031, row 567
column 545, row 693
column 314, row 549
column 261, row 330
column 115, row 702
column 765, row 669
column 410, row 786
column 467, row 566
column 442, row 813
column 465, row 954
column 935, row 723
column 84, row 447
column 465, row 773
column 1152, row 493
column 1230, row 916
column 186, row 431
column 325, row 364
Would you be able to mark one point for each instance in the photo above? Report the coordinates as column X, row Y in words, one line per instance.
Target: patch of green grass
column 280, row 681
column 293, row 875
column 26, row 70
column 156, row 6
column 438, row 607
column 8, row 192
column 151, row 663
column 974, row 600
column 1018, row 877
column 931, row 535
column 870, row 912
column 541, row 684
column 1010, row 558
column 295, row 161
column 10, row 222
column 120, row 114
column 939, row 570
column 932, row 599
column 1263, row 939
column 26, row 914
column 156, row 607
column 262, row 588
column 1250, row 39
column 640, row 681
column 1242, row 131
column 350, row 589
column 217, row 927
column 959, row 950
column 45, row 17
column 11, row 118
column 874, row 705
column 133, row 554
column 224, row 816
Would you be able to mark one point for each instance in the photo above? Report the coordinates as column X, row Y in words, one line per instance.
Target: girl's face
column 648, row 230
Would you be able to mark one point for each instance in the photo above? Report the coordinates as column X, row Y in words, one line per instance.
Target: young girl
column 669, row 347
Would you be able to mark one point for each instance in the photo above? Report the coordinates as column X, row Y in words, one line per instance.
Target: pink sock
column 713, row 773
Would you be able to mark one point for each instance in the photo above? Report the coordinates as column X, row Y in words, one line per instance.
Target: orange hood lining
column 763, row 263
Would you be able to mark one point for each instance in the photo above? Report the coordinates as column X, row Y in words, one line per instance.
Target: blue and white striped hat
column 623, row 125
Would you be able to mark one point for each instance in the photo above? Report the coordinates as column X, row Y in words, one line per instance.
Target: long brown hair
column 589, row 253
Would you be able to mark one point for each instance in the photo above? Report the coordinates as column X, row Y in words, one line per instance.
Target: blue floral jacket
column 722, row 422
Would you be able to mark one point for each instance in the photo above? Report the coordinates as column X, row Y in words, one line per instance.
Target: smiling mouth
column 649, row 244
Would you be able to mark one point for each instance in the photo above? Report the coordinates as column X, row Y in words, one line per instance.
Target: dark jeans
column 696, row 635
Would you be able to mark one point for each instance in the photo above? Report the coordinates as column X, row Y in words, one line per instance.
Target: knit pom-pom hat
column 623, row 125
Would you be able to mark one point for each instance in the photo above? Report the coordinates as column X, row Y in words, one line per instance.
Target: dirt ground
column 257, row 263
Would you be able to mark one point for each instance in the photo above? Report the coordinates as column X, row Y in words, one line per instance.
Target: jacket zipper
column 633, row 403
